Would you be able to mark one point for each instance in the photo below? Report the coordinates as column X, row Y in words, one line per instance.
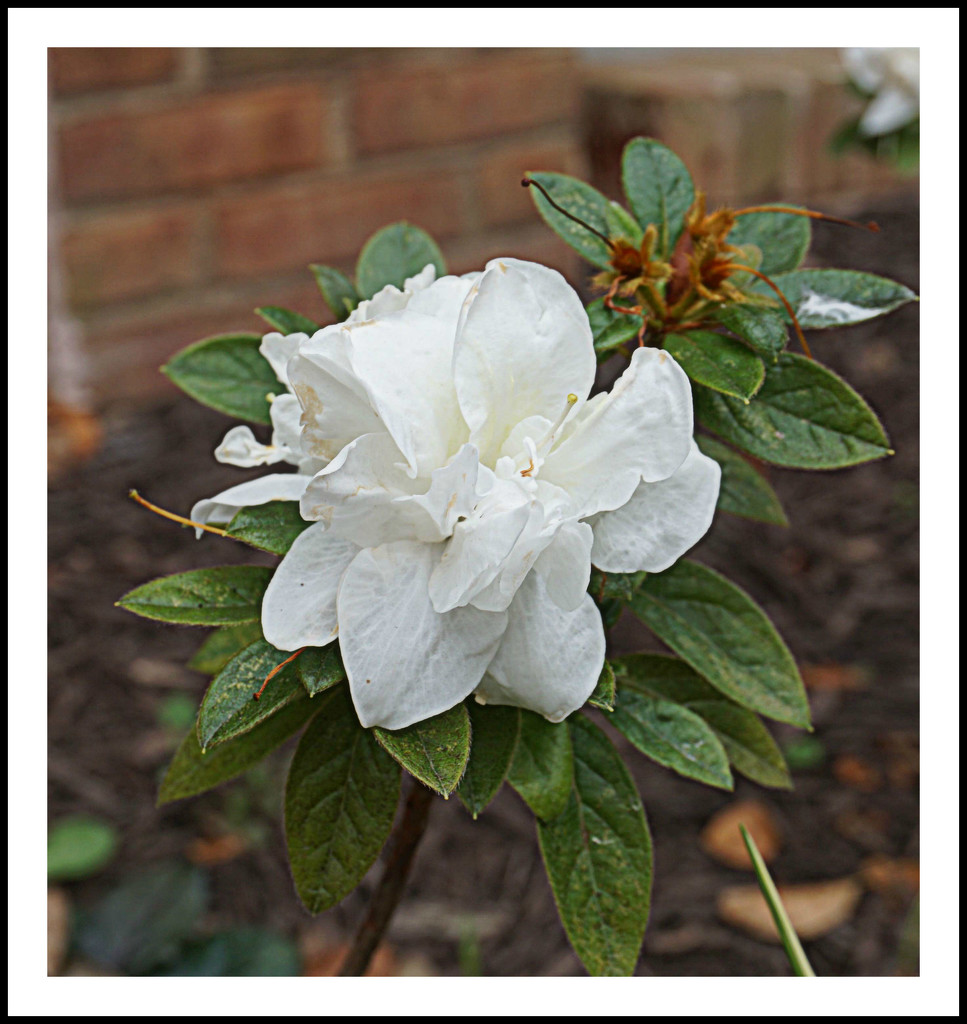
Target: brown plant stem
column 403, row 843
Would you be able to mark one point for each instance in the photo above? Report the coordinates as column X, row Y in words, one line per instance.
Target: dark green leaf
column 222, row 644
column 392, row 255
column 585, row 203
column 228, row 373
column 621, row 224
column 434, row 751
column 79, row 846
column 744, row 491
column 598, row 857
column 542, row 770
column 338, row 291
column 659, row 189
column 340, row 801
column 673, row 736
column 287, row 321
column 240, row 953
column 611, row 330
column 272, row 526
column 725, row 637
column 617, row 586
column 782, row 238
column 804, row 417
column 494, row 731
column 192, row 772
column 229, row 708
column 603, row 695
column 143, row 921
column 750, row 748
column 760, row 327
column 717, row 361
column 319, row 668
column 835, row 298
column 222, row 596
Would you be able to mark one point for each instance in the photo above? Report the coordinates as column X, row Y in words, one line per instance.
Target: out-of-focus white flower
column 892, row 76
column 471, row 484
column 240, row 447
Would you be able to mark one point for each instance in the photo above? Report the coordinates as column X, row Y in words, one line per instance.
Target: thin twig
column 403, row 843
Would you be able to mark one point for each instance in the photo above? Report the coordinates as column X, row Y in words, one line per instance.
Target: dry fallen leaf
column 814, row 908
column 326, row 963
column 891, row 875
column 857, row 773
column 219, row 850
column 58, row 929
column 832, row 677
column 721, row 838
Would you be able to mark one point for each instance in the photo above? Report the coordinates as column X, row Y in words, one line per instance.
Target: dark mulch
column 841, row 585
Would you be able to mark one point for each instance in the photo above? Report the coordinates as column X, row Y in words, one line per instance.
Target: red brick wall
column 196, row 184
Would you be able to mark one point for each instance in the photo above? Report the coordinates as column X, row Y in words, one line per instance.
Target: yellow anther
column 572, row 398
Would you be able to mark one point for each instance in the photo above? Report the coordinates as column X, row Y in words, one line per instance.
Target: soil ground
column 841, row 584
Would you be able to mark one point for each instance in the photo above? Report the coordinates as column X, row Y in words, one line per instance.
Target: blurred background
column 187, row 187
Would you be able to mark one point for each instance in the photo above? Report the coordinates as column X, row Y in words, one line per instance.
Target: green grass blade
column 790, row 940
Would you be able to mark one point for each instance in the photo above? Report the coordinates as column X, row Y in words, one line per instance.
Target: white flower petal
column 661, row 521
column 480, row 546
column 422, row 280
column 418, row 407
column 549, row 660
column 278, row 349
column 355, row 495
column 565, row 564
column 889, row 110
column 240, row 448
column 223, row 506
column 523, row 345
column 444, row 298
column 336, row 408
column 299, row 607
column 406, row 662
column 641, row 429
column 451, row 496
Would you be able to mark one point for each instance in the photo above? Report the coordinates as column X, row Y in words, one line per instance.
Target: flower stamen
column 133, row 494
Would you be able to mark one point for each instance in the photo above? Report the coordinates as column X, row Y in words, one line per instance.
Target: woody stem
column 402, row 846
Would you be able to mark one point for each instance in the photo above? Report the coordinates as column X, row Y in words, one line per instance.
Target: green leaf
column 790, row 940
column 435, row 751
column 611, row 330
column 287, row 321
column 222, row 596
column 835, row 298
column 804, row 417
column 318, row 668
column 603, row 695
column 271, row 527
column 229, row 709
column 659, row 189
column 144, row 920
column 717, row 361
column 615, row 586
column 392, row 255
column 239, row 953
column 585, row 203
column 673, row 736
column 494, row 732
column 340, row 802
column 760, row 327
column 542, row 770
column 78, row 847
column 192, row 772
column 227, row 373
column 622, row 225
column 751, row 749
column 338, row 291
column 598, row 857
column 744, row 491
column 783, row 238
column 222, row 644
column 725, row 637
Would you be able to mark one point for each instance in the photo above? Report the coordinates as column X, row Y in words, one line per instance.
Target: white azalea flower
column 241, row 448
column 892, row 75
column 470, row 484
